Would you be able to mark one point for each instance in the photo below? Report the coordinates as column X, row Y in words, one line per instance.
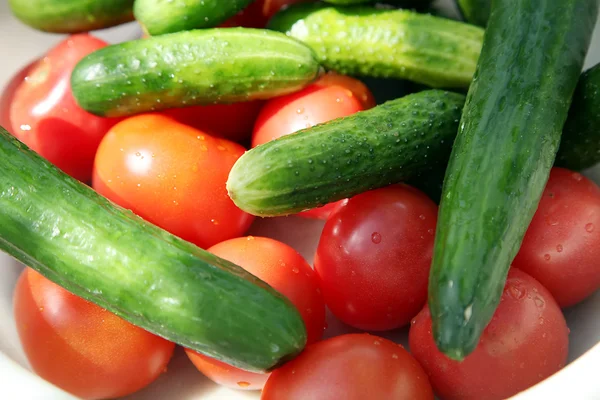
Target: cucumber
column 158, row 17
column 475, row 11
column 532, row 56
column 580, row 146
column 107, row 255
column 192, row 68
column 347, row 156
column 386, row 43
column 72, row 16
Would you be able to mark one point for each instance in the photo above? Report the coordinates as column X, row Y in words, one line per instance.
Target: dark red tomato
column 374, row 256
column 350, row 367
column 284, row 269
column 45, row 116
column 81, row 347
column 526, row 342
column 258, row 13
column 8, row 94
column 333, row 96
column 229, row 121
column 173, row 176
column 562, row 246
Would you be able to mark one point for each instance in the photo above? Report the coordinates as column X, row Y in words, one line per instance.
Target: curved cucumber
column 192, row 68
column 166, row 285
column 386, row 43
column 475, row 11
column 506, row 145
column 347, row 156
column 159, row 16
column 72, row 16
column 580, row 146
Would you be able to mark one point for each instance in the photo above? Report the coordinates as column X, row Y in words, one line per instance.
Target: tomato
column 562, row 246
column 173, row 176
column 374, row 256
column 81, row 347
column 258, row 13
column 333, row 96
column 45, row 116
column 230, row 121
column 8, row 94
column 526, row 342
column 350, row 367
column 284, row 269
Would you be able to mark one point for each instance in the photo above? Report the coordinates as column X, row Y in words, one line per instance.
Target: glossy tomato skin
column 173, row 176
column 332, row 96
column 8, row 93
column 374, row 256
column 258, row 13
column 230, row 121
column 350, row 367
column 81, row 347
column 45, row 116
column 561, row 248
column 526, row 342
column 284, row 269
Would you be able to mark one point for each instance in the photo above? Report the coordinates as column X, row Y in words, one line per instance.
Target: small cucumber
column 192, row 68
column 109, row 256
column 580, row 146
column 72, row 16
column 386, row 43
column 158, row 17
column 475, row 11
column 347, row 156
column 532, row 56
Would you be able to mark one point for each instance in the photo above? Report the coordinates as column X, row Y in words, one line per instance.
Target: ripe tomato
column 332, row 96
column 562, row 246
column 8, row 93
column 258, row 13
column 286, row 271
column 374, row 256
column 81, row 347
column 526, row 342
column 349, row 367
column 230, row 121
column 173, row 176
column 45, row 116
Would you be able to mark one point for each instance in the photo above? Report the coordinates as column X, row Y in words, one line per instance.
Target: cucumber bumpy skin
column 158, row 17
column 72, row 16
column 387, row 43
column 532, row 57
column 192, row 68
column 347, row 156
column 109, row 256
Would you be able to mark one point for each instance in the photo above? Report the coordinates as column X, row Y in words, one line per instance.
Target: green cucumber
column 580, row 146
column 475, row 11
column 109, row 256
column 158, row 17
column 192, row 68
column 72, row 16
column 347, row 156
column 386, row 43
column 532, row 56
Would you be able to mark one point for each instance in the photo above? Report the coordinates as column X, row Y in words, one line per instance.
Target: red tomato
column 562, row 246
column 8, row 94
column 258, row 13
column 45, row 116
column 374, row 256
column 284, row 269
column 333, row 96
column 81, row 347
column 230, row 121
column 350, row 367
column 173, row 176
column 526, row 342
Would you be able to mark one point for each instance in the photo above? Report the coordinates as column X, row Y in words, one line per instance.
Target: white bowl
column 19, row 45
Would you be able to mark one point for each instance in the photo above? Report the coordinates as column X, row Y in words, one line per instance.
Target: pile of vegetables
column 127, row 189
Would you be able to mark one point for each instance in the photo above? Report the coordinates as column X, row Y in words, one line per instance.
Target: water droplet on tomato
column 300, row 110
column 214, row 222
column 517, row 292
column 589, row 228
column 250, row 238
column 395, row 356
column 243, row 384
column 550, row 220
column 559, row 248
column 376, row 237
column 547, row 257
column 577, row 176
column 295, row 270
column 541, row 321
column 430, row 231
column 539, row 302
column 353, row 273
column 376, row 342
column 220, row 148
column 41, row 309
column 308, row 311
column 422, row 216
